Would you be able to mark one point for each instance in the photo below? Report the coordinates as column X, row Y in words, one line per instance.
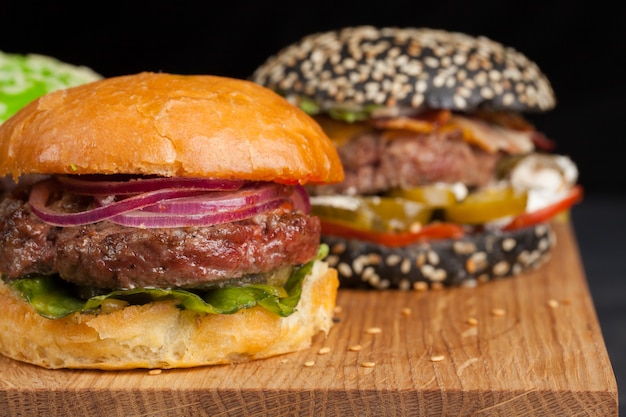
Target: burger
column 170, row 229
column 23, row 78
column 447, row 182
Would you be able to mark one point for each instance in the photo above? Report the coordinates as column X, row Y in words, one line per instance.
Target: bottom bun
column 450, row 262
column 160, row 335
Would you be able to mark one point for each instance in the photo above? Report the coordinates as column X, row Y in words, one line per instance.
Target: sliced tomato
column 574, row 196
column 394, row 239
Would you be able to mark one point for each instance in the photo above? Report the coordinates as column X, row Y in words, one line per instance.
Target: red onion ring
column 144, row 219
column 221, row 201
column 300, row 199
column 41, row 192
column 197, row 204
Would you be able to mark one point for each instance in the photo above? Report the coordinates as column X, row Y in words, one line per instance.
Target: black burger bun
column 407, row 67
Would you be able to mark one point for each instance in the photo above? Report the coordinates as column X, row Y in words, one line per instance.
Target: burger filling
column 440, row 174
column 214, row 250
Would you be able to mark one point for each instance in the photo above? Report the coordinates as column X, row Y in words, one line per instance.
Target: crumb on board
column 472, row 321
column 406, row 311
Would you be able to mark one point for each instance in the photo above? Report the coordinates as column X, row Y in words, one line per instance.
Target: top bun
column 357, row 67
column 168, row 125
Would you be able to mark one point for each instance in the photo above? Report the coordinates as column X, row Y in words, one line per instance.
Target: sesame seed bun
column 414, row 107
column 356, row 67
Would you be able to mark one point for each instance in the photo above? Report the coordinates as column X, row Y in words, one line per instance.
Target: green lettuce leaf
column 52, row 298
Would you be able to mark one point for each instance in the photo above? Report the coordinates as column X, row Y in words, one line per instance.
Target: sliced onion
column 169, row 207
column 222, row 201
column 145, row 219
column 99, row 186
column 41, row 192
column 300, row 199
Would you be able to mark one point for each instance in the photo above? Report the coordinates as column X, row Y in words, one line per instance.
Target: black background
column 579, row 45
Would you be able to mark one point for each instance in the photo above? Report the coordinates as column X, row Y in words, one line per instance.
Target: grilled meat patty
column 109, row 256
column 373, row 163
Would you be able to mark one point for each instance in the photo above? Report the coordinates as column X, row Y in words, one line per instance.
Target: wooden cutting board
column 529, row 345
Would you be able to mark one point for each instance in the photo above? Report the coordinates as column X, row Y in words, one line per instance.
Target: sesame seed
column 406, row 311
column 355, row 348
column 368, row 364
column 154, row 371
column 508, row 244
column 437, row 358
column 369, row 274
column 420, row 286
column 393, row 260
column 324, row 350
column 501, row 268
column 405, row 266
column 472, row 321
column 428, row 271
column 374, row 330
column 463, row 247
column 552, row 303
column 433, row 257
column 439, row 275
column 498, row 312
column 332, row 260
column 309, row 364
column 544, row 244
column 344, row 269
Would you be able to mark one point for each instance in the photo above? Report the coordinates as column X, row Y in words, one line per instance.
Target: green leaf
column 309, row 105
column 47, row 298
column 52, row 297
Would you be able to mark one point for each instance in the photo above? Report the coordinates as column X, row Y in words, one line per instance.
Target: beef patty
column 109, row 256
column 374, row 163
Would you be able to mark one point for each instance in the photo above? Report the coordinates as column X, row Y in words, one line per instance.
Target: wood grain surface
column 524, row 346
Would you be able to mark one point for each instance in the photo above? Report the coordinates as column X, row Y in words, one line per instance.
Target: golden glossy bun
column 160, row 335
column 169, row 125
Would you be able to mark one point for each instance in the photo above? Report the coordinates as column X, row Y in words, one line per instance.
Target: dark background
column 579, row 45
